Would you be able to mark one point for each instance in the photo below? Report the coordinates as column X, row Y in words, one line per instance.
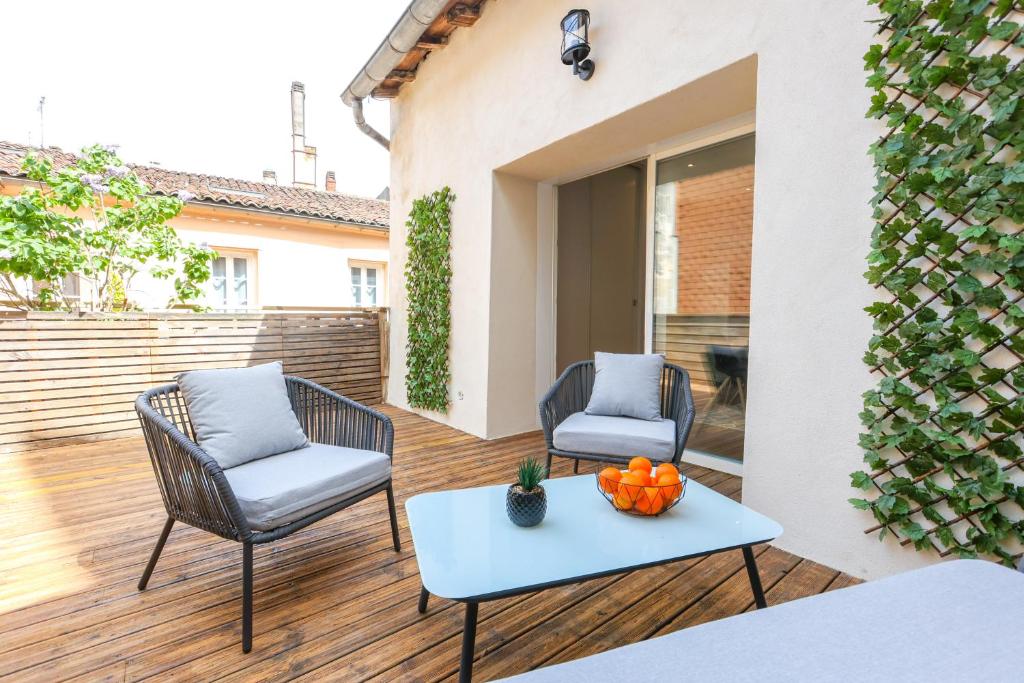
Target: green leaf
column 860, row 480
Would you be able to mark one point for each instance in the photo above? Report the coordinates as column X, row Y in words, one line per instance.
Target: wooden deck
column 333, row 602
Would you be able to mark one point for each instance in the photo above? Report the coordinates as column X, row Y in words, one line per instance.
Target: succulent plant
column 530, row 474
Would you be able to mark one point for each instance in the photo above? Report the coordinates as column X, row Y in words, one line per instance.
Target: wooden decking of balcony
column 333, row 602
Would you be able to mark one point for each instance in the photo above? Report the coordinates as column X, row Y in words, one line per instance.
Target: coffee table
column 468, row 550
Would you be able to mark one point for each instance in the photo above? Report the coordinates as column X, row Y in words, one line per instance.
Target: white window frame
column 380, row 285
column 229, row 255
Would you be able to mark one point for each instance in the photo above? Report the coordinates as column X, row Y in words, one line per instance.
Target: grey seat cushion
column 282, row 488
column 241, row 414
column 627, row 385
column 626, row 436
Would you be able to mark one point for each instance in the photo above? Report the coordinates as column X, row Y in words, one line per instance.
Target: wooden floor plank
column 332, row 602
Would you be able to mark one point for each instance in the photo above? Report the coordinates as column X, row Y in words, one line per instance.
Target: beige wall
column 299, row 263
column 667, row 72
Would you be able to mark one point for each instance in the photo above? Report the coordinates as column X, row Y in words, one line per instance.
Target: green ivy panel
column 942, row 426
column 428, row 275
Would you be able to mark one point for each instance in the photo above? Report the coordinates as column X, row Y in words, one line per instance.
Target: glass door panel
column 703, row 220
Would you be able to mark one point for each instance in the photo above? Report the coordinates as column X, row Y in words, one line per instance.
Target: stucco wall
column 298, row 263
column 498, row 99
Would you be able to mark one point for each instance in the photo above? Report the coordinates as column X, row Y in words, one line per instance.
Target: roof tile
column 332, row 206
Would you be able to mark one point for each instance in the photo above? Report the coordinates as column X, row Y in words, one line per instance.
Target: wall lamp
column 575, row 43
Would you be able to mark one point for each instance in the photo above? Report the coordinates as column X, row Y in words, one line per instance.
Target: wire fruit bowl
column 643, row 500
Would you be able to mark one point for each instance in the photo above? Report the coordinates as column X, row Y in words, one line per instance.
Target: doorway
column 600, row 265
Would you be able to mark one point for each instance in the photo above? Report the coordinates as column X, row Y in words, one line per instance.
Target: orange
column 634, row 479
column 664, row 468
column 649, row 501
column 671, row 487
column 610, row 479
column 640, row 463
column 658, row 501
column 623, row 499
column 643, row 476
column 630, row 486
column 669, row 478
column 643, row 503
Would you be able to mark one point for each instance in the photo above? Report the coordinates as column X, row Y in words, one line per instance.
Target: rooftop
column 210, row 189
column 434, row 36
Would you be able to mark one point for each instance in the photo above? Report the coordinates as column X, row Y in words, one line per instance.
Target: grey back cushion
column 627, row 385
column 241, row 414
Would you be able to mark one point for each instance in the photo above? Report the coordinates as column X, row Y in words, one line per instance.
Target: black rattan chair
column 571, row 394
column 196, row 492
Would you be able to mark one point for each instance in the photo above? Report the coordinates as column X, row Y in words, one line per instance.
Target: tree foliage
column 95, row 219
column 428, row 274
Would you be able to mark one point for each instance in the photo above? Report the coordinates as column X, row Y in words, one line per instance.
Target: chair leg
column 575, row 465
column 719, row 397
column 548, row 475
column 246, row 597
column 394, row 520
column 156, row 553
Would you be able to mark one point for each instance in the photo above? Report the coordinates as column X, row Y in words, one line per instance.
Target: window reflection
column 702, row 243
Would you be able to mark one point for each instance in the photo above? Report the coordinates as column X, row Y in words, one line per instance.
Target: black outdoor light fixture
column 575, row 43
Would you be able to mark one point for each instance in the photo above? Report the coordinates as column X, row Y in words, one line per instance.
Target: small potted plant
column 526, row 501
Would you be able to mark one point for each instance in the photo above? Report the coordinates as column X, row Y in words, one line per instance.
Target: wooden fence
column 685, row 340
column 68, row 379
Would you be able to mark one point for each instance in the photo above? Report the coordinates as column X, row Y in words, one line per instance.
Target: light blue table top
column 467, row 548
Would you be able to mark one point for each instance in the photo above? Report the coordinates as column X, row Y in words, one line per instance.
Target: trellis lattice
column 943, row 426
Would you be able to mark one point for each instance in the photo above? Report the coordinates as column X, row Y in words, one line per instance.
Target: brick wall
column 714, row 219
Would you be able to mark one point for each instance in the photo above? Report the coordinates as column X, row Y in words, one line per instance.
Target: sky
column 197, row 86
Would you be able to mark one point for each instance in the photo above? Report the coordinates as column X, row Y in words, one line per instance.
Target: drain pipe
column 402, row 38
column 361, row 124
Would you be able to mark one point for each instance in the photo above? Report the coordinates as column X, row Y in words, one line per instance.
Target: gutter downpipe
column 402, row 38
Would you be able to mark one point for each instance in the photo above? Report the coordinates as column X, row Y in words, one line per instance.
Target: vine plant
column 943, row 425
column 428, row 274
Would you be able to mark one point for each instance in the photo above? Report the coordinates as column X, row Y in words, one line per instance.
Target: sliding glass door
column 703, row 220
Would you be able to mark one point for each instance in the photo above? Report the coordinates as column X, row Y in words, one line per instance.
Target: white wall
column 664, row 70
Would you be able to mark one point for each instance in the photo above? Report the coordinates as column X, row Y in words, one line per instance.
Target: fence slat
column 70, row 379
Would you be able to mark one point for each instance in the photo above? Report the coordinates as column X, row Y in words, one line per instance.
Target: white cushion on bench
column 954, row 621
column 625, row 436
column 282, row 488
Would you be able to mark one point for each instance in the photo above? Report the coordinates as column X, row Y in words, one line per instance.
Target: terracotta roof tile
column 229, row 191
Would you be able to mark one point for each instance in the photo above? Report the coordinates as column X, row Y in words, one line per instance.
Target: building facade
column 278, row 246
column 705, row 194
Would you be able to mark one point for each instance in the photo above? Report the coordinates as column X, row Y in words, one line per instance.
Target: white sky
column 197, row 86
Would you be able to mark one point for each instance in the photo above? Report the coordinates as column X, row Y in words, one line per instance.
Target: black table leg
column 468, row 643
column 424, row 596
column 754, row 576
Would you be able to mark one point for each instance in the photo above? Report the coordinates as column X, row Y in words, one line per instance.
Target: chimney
column 329, row 182
column 270, row 177
column 303, row 155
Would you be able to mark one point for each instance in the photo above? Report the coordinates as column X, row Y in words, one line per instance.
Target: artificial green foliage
column 428, row 275
column 530, row 473
column 95, row 219
column 943, row 426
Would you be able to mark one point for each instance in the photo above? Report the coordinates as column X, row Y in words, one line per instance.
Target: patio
column 333, row 601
